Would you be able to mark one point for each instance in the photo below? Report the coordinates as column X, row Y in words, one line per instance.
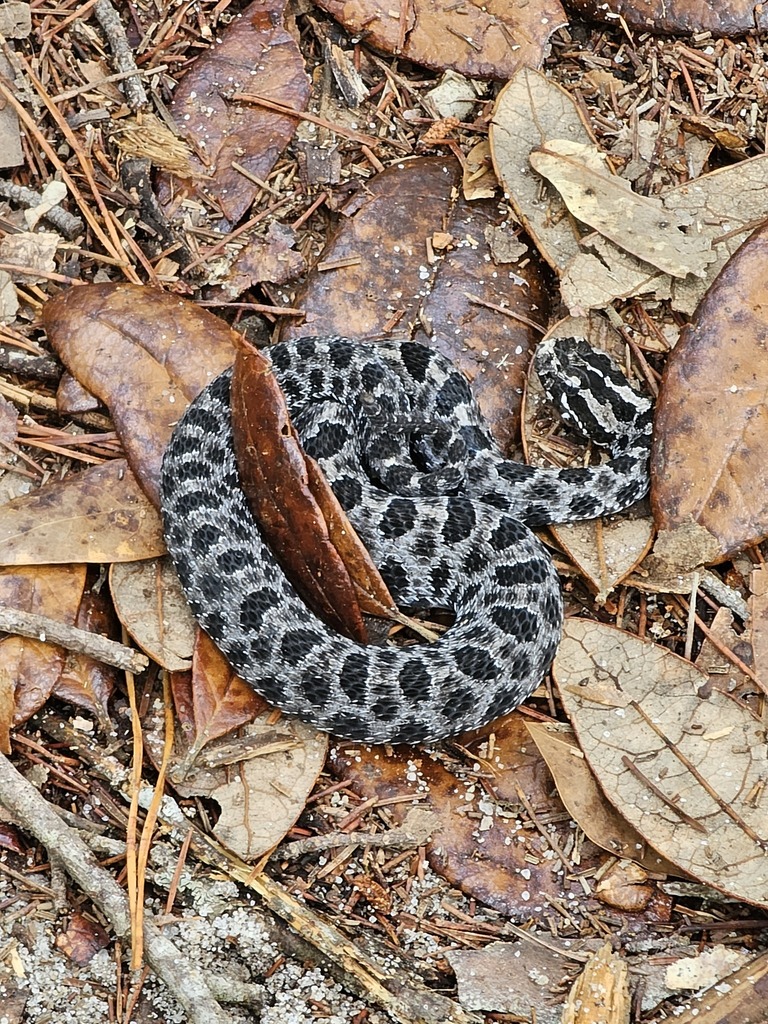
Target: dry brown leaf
column 306, row 527
column 641, row 225
column 530, row 111
column 269, row 793
column 82, row 939
column 257, row 55
column 210, row 701
column 740, row 997
column 145, row 354
column 503, row 978
column 33, row 250
column 606, row 551
column 150, row 604
column 679, row 17
column 725, row 204
column 707, row 465
column 721, row 670
column 584, row 801
column 758, row 607
column 262, row 779
column 11, row 151
column 30, row 669
column 384, row 276
column 98, row 515
column 708, row 968
column 85, row 682
column 492, row 41
column 479, row 179
column 685, row 771
column 478, row 845
column 272, row 259
column 725, row 136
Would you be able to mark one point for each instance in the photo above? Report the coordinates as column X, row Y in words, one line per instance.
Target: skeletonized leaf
column 685, row 770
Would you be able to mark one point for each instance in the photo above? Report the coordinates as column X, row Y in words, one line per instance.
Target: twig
column 415, row 831
column 406, row 1000
column 65, row 222
column 120, row 76
column 109, row 19
column 505, row 311
column 39, row 367
column 40, row 627
column 37, row 816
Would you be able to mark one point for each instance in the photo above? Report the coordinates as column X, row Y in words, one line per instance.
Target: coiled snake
column 446, row 518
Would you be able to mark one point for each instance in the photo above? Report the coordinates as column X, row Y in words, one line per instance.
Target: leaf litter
column 652, row 334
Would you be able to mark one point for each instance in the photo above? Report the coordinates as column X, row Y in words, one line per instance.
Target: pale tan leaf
column 641, row 225
column 686, row 771
column 150, row 604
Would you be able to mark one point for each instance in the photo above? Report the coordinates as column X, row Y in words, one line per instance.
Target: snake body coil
column 445, row 517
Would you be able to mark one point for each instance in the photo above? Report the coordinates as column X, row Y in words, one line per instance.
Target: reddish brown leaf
column 9, row 839
column 211, row 700
column 82, row 940
column 489, row 41
column 288, row 496
column 84, row 681
column 709, row 478
column 479, row 846
column 256, row 55
column 30, row 669
column 145, row 354
column 392, row 281
column 679, row 17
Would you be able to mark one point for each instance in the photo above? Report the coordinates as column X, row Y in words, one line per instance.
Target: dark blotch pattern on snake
column 445, row 517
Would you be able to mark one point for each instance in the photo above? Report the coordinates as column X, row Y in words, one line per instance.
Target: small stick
column 69, row 225
column 37, row 817
column 304, row 115
column 40, row 627
column 109, row 19
column 415, row 831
